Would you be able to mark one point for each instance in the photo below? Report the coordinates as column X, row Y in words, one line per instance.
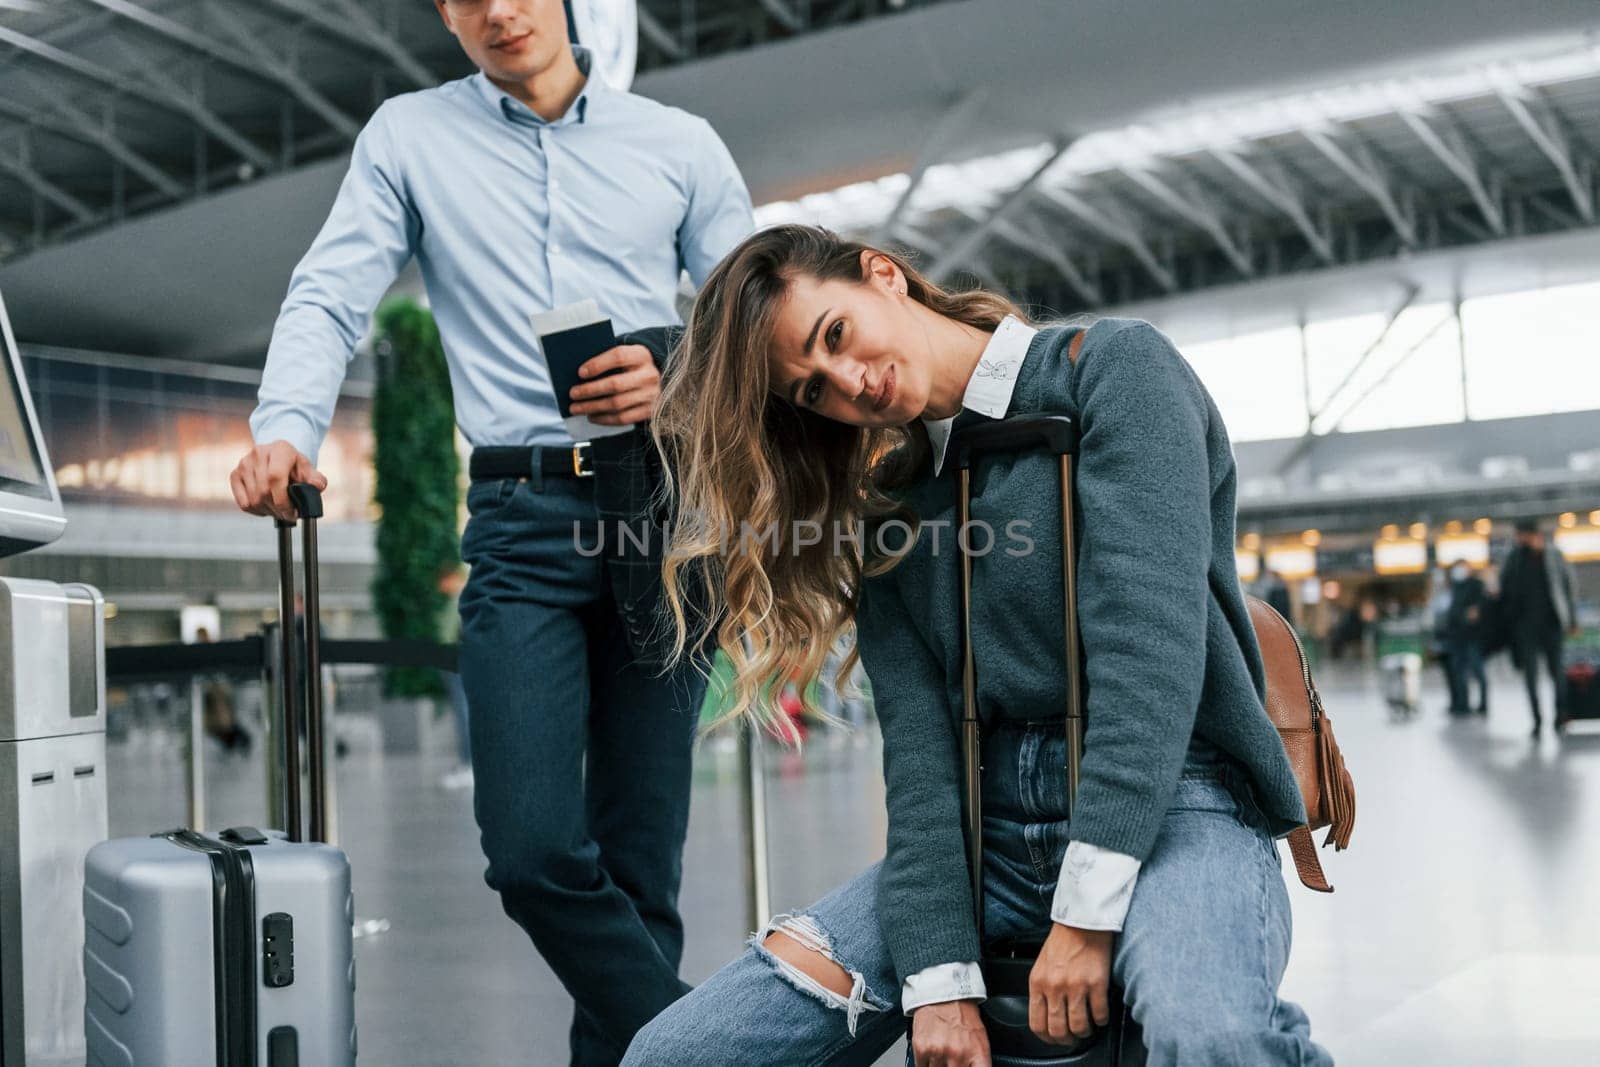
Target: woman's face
column 851, row 351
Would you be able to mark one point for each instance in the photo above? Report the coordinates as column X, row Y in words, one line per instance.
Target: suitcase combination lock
column 277, row 950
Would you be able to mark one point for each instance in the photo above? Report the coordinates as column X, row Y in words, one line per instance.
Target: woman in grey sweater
column 806, row 419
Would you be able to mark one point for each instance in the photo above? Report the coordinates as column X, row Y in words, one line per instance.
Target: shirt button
column 555, row 250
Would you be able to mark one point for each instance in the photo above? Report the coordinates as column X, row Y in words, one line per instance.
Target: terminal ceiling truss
column 1344, row 176
column 111, row 108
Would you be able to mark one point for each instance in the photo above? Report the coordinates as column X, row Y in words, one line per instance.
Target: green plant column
column 417, row 471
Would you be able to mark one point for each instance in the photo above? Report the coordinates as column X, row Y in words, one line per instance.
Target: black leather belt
column 496, row 462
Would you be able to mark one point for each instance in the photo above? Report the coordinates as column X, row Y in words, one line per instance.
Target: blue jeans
column 457, row 692
column 1466, row 666
column 581, row 759
column 1201, row 954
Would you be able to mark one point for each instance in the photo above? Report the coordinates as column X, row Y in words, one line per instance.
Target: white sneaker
column 459, row 778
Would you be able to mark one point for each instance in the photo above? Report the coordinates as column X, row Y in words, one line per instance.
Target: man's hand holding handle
column 261, row 480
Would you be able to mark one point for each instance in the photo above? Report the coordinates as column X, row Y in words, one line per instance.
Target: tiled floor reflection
column 1464, row 930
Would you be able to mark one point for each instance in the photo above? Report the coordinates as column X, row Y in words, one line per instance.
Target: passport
column 568, row 338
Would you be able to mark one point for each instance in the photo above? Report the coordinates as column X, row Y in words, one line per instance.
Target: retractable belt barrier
column 129, row 663
column 255, row 656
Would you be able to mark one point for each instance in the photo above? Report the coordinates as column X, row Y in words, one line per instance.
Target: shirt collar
column 992, row 382
column 514, row 110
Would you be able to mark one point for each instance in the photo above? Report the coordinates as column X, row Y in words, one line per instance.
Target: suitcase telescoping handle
column 1057, row 435
column 301, row 690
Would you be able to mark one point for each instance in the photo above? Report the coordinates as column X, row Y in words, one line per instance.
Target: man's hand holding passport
column 602, row 387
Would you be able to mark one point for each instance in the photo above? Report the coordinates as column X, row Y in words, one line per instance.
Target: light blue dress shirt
column 508, row 215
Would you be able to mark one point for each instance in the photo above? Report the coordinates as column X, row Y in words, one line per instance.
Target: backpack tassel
column 1338, row 788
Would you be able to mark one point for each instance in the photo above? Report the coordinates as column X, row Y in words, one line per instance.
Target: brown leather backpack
column 1295, row 708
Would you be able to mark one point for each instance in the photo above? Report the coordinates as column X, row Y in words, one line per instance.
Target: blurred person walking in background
column 218, row 715
column 452, row 580
column 526, row 187
column 1436, row 640
column 1464, row 629
column 1275, row 591
column 1537, row 597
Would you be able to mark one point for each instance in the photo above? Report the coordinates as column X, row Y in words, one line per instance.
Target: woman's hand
column 949, row 1035
column 1068, row 989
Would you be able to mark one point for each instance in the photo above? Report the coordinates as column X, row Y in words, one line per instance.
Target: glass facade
column 1516, row 354
column 163, row 438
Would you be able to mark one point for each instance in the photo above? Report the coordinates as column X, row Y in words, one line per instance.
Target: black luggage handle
column 1006, row 1012
column 307, row 501
column 1056, row 434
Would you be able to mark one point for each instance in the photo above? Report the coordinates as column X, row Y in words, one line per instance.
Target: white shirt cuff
column 942, row 983
column 292, row 428
column 1095, row 888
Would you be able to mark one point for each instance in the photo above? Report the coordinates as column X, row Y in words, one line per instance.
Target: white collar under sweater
column 992, row 382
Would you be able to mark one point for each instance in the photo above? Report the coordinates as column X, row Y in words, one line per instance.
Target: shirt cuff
column 1095, row 888
column 290, row 427
column 942, row 983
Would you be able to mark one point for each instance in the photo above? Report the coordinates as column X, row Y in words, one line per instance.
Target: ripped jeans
column 1203, row 948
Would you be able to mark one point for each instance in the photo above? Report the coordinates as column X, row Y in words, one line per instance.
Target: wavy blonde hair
column 742, row 460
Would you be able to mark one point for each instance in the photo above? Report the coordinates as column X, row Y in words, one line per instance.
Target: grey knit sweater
column 1169, row 646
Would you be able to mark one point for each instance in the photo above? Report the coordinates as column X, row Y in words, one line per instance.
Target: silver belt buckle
column 582, row 466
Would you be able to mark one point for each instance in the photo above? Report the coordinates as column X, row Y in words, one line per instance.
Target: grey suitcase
column 235, row 948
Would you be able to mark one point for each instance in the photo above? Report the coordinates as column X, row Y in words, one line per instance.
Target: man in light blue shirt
column 523, row 188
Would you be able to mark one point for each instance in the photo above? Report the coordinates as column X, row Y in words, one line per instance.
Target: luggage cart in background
column 1400, row 674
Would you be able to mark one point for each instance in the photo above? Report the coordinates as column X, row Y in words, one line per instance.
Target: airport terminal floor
column 1462, row 930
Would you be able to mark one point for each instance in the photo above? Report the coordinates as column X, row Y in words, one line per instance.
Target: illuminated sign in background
column 1405, row 555
column 1291, row 562
column 1472, row 548
column 1580, row 544
column 1248, row 564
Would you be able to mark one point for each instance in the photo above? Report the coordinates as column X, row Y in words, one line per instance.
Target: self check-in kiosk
column 52, row 751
